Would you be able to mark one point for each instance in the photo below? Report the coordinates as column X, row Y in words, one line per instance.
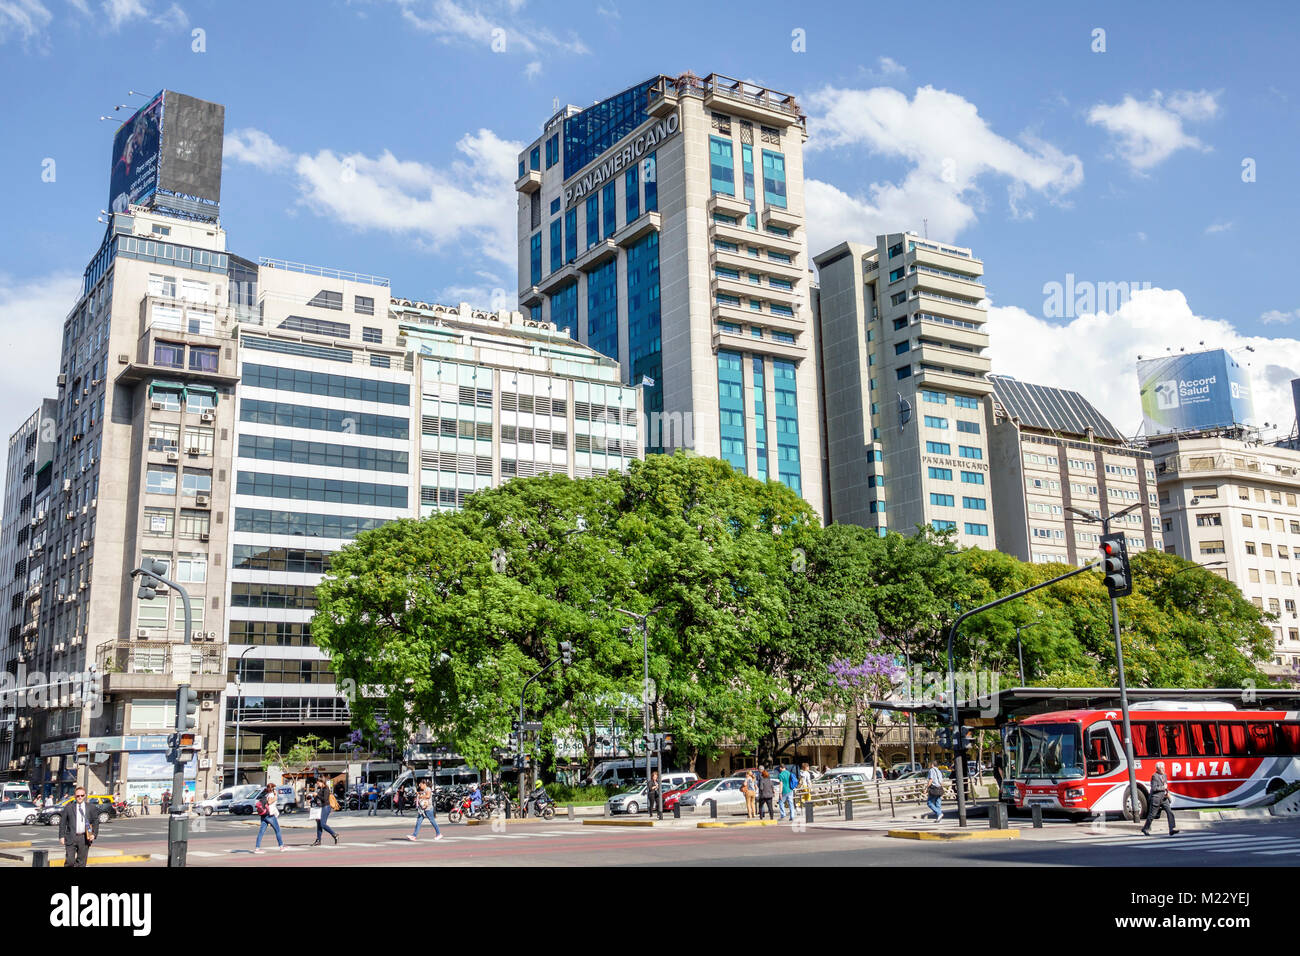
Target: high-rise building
column 27, row 483
column 664, row 227
column 1231, row 505
column 904, row 366
column 1050, row 450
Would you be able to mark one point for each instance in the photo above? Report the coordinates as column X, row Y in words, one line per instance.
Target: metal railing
column 322, row 271
column 155, row 657
column 688, row 84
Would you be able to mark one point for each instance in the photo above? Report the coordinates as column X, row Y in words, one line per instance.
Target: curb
column 488, row 822
column 107, row 860
column 969, row 835
column 707, row 824
column 15, row 844
column 618, row 823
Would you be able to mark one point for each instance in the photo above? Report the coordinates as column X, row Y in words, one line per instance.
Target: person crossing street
column 1160, row 801
column 423, row 809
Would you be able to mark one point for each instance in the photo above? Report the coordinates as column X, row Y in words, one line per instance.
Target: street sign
column 532, row 726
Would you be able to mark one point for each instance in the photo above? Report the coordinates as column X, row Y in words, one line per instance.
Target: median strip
column 618, row 823
column 705, row 824
column 12, row 844
column 955, row 834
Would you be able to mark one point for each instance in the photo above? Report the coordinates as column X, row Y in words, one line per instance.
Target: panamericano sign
column 634, row 149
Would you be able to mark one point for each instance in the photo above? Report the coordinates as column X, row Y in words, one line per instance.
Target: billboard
column 135, row 157
column 1194, row 392
column 189, row 163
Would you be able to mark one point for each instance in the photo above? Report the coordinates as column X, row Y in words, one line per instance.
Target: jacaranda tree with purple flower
column 858, row 683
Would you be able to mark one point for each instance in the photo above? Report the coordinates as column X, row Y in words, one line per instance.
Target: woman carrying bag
column 750, row 790
column 321, row 804
column 269, row 811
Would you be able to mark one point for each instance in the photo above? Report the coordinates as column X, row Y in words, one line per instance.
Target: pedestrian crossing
column 1209, row 843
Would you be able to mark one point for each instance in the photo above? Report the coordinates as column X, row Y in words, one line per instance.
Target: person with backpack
column 788, row 784
column 268, row 809
column 322, row 802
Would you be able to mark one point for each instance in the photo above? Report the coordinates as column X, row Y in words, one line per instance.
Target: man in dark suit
column 77, row 828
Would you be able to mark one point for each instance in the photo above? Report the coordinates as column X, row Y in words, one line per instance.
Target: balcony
column 948, row 283
column 975, row 385
column 742, row 236
column 145, row 366
column 742, row 316
column 727, row 95
column 313, row 711
column 743, row 261
column 561, row 276
column 782, row 218
column 597, row 255
column 935, row 354
column 750, row 290
column 963, row 309
column 743, row 342
column 636, row 229
column 944, row 257
column 529, row 182
column 146, row 666
column 727, row 205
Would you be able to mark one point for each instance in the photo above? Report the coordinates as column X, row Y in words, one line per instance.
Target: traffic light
column 153, row 568
column 187, row 703
column 944, row 738
column 1114, row 566
column 83, row 753
column 566, row 652
column 964, row 740
column 182, row 746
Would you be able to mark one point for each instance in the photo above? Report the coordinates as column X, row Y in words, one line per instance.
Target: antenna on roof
column 555, row 104
column 925, row 227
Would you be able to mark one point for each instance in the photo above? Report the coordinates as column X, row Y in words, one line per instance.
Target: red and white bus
column 1214, row 756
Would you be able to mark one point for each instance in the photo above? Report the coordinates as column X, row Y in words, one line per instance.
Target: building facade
column 904, row 365
column 1232, row 505
column 1050, row 450
column 28, row 475
column 664, row 227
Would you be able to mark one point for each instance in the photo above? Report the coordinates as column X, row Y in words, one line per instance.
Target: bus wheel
column 1274, row 785
column 1142, row 804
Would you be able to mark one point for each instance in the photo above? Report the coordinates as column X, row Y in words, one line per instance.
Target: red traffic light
column 1108, row 548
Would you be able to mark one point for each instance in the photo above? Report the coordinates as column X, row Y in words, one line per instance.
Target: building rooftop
column 1051, row 409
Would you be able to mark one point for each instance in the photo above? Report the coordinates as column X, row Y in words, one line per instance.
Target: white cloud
column 254, row 147
column 533, row 70
column 24, row 19
column 888, row 66
column 1276, row 317
column 173, row 17
column 1148, row 133
column 450, row 22
column 32, row 311
column 950, row 147
column 1086, row 353
column 1214, row 227
column 120, row 11
column 470, row 202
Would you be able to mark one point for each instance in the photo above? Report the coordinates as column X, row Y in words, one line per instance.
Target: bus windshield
column 1049, row 750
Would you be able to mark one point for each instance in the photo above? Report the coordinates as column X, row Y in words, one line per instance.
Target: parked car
column 100, row 804
column 922, row 774
column 22, row 812
column 286, row 799
column 724, row 791
column 671, row 797
column 221, row 802
column 635, row 799
column 899, row 769
column 856, row 773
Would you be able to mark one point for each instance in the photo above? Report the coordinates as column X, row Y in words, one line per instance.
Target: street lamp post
column 239, row 708
column 645, row 689
column 1020, row 650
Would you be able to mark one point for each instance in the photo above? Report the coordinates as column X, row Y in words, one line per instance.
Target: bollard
column 677, row 811
column 713, row 809
column 998, row 816
column 508, row 808
column 1037, row 811
column 848, row 810
column 40, row 857
column 572, row 812
column 892, row 814
column 808, row 812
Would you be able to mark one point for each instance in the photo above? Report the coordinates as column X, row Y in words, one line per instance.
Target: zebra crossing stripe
column 1294, row 849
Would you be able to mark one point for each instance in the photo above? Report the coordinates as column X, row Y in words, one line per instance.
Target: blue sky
column 379, row 136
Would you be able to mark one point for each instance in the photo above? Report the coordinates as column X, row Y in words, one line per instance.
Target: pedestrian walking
column 322, row 802
column 765, row 792
column 655, row 794
column 1160, row 801
column 750, row 790
column 423, row 809
column 166, row 801
column 805, row 777
column 268, row 808
column 144, row 804
column 997, row 771
column 372, row 798
column 785, row 804
column 934, row 791
column 77, row 830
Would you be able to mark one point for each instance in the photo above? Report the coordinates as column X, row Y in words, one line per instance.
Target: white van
column 620, row 773
column 15, row 791
column 221, row 802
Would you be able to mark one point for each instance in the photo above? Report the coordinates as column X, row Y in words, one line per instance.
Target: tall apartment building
column 904, row 368
column 1051, row 450
column 27, row 482
column 1232, row 505
column 664, row 227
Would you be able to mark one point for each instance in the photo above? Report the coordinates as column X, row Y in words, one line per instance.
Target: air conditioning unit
column 24, row 722
column 156, row 406
column 85, row 509
column 67, row 485
column 173, row 455
column 141, row 633
column 58, row 648
column 78, row 641
column 209, row 705
column 98, row 381
column 123, row 358
column 207, row 416
column 204, row 536
column 193, row 449
column 401, row 340
column 202, row 501
column 71, row 515
column 63, row 380
column 92, row 460
column 94, row 502
column 82, row 586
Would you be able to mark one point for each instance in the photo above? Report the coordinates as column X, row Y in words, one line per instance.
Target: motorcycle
column 466, row 809
column 538, row 805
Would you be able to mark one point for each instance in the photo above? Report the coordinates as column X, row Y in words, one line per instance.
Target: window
column 162, row 286
column 192, row 568
column 941, row 474
column 161, row 480
column 938, row 448
column 965, row 401
column 898, row 298
column 1213, row 520
column 897, row 274
column 609, row 198
column 972, row 477
column 1247, row 521
column 195, row 523
column 198, row 439
column 535, row 159
column 978, row 530
column 203, row 358
column 535, row 258
column 902, row 347
column 722, row 167
column 904, row 372
column 373, row 336
column 970, row 428
column 158, row 521
column 169, row 354
column 968, row 451
column 326, row 299
column 571, row 238
column 943, row 501
column 938, row 398
column 153, row 614
column 163, row 437
column 774, row 179
column 153, row 714
column 632, row 193
column 932, row 421
column 940, row 525
column 651, row 184
column 593, row 220
column 196, row 483
column 557, row 244
column 363, row 305
column 974, row 504
column 196, row 616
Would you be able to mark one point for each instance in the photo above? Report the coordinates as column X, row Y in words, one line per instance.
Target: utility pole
column 641, row 619
column 183, row 743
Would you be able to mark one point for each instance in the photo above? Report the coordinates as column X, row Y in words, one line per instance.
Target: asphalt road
column 222, row 841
